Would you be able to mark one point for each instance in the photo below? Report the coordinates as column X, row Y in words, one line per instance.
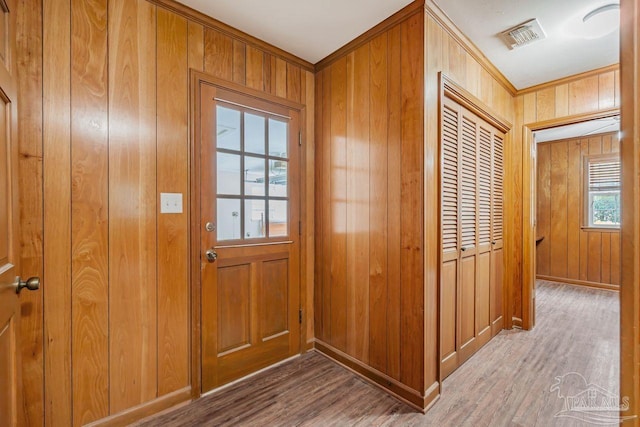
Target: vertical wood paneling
column 281, row 78
column 90, row 207
column 239, row 62
column 255, row 72
column 378, row 193
column 339, row 206
column 110, row 330
column 558, row 221
column 543, row 209
column 584, row 255
column 196, row 46
column 218, row 54
column 394, row 183
column 358, row 200
column 583, row 95
column 319, row 286
column 546, row 103
column 293, row 83
column 57, row 210
column 132, row 198
column 574, row 204
column 172, row 177
column 326, row 206
column 606, row 90
column 412, row 294
column 562, row 100
column 28, row 55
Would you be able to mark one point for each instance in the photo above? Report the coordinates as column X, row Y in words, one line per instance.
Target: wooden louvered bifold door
column 471, row 234
column 450, row 238
column 468, row 234
column 497, row 217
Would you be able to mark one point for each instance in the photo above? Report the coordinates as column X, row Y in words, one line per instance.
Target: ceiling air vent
column 523, row 34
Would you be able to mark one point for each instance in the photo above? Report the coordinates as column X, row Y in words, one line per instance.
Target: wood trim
column 569, row 120
column 605, row 286
column 408, row 11
column 460, row 95
column 193, row 204
column 569, row 79
column 146, row 409
column 259, row 95
column 389, row 385
column 529, row 178
column 209, row 22
column 445, row 22
column 630, row 234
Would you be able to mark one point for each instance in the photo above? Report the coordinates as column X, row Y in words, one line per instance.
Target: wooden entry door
column 10, row 284
column 249, row 233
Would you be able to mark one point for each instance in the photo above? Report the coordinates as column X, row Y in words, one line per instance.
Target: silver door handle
column 211, row 255
column 32, row 284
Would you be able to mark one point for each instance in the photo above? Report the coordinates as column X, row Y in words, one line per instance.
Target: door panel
column 234, row 307
column 448, row 315
column 467, row 301
column 497, row 319
column 10, row 376
column 483, row 322
column 249, row 171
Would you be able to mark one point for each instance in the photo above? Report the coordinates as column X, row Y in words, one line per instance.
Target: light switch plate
column 170, row 203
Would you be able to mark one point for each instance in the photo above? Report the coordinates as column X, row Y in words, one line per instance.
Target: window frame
column 587, row 192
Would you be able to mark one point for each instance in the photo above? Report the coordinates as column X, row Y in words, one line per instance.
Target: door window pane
column 255, row 220
column 278, row 215
column 254, row 176
column 228, row 219
column 228, row 128
column 254, row 133
column 228, row 174
column 278, row 138
column 278, row 178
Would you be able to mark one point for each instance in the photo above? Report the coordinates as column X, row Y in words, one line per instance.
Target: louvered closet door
column 468, row 234
column 449, row 237
column 483, row 264
column 497, row 217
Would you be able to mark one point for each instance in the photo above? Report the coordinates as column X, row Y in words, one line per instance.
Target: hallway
column 506, row 383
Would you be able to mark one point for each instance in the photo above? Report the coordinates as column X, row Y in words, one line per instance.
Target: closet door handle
column 464, row 248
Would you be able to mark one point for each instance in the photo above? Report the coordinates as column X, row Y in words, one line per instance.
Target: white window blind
column 604, row 174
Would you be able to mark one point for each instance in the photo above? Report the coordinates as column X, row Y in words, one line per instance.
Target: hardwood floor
column 505, row 383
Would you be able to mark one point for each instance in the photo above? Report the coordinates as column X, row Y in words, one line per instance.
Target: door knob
column 211, row 255
column 32, row 283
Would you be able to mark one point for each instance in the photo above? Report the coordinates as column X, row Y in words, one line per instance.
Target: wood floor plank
column 507, row 382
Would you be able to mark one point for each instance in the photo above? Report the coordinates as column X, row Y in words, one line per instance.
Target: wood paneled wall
column 567, row 251
column 103, row 124
column 369, row 248
column 592, row 92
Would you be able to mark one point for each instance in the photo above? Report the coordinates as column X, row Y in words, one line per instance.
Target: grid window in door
column 252, row 173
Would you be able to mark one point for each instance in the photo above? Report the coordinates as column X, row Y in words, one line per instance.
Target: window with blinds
column 602, row 191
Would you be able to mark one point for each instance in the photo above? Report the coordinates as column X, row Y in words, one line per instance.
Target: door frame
column 196, row 78
column 529, row 191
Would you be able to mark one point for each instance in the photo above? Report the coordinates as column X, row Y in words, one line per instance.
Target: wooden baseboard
column 390, row 385
column 516, row 322
column 597, row 285
column 148, row 409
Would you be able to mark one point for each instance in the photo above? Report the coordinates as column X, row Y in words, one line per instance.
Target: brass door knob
column 32, row 284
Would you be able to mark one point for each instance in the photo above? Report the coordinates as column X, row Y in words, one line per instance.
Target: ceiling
column 561, row 54
column 309, row 29
column 593, row 127
column 313, row 29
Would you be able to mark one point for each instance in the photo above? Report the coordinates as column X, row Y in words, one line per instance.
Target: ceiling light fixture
column 601, row 21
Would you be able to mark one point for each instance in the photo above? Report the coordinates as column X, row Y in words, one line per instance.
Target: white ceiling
column 309, row 29
column 561, row 54
column 313, row 29
column 593, row 127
